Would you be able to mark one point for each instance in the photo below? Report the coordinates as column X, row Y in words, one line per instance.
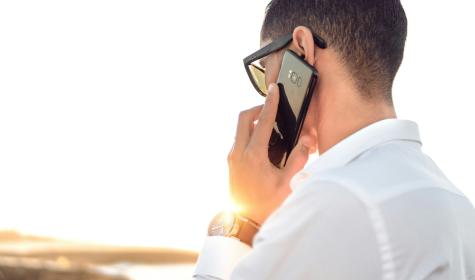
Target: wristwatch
column 233, row 225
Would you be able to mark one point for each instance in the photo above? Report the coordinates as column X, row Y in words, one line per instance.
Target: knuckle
column 246, row 114
column 231, row 157
column 252, row 155
column 243, row 115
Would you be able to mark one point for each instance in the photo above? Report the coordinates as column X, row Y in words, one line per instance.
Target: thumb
column 298, row 158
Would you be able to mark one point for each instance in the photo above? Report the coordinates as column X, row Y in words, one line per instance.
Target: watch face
column 222, row 224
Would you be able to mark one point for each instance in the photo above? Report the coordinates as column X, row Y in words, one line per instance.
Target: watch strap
column 247, row 230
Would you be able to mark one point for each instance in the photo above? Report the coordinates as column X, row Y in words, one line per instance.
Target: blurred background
column 116, row 118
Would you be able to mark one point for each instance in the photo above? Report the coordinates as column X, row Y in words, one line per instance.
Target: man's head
column 368, row 35
column 365, row 40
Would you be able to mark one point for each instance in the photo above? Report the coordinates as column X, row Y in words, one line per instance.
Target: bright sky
column 116, row 117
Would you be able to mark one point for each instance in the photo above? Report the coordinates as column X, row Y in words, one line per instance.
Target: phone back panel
column 295, row 76
column 296, row 82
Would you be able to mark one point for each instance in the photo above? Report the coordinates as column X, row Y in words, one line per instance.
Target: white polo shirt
column 374, row 206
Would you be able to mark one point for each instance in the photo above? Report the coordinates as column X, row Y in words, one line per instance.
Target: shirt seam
column 378, row 224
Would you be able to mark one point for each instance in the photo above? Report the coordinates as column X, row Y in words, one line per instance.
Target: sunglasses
column 256, row 73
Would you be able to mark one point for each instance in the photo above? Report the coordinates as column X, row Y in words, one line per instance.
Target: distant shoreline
column 13, row 244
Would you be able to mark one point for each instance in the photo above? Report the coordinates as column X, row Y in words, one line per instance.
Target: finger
column 245, row 127
column 298, row 158
column 263, row 129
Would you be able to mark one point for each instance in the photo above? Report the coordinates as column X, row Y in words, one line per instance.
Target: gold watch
column 231, row 224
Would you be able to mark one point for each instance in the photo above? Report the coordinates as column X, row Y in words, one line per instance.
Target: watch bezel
column 227, row 221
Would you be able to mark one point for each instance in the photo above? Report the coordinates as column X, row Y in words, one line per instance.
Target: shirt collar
column 359, row 142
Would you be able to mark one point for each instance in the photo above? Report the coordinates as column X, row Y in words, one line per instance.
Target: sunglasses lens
column 259, row 76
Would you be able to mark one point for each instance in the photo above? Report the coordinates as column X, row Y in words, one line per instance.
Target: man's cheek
column 271, row 77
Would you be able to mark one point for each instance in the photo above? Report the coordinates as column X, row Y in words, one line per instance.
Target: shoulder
column 385, row 172
column 325, row 227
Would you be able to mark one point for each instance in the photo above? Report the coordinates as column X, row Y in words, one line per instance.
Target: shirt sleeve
column 219, row 257
column 323, row 232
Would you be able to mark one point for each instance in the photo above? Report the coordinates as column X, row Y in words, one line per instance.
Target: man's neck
column 341, row 124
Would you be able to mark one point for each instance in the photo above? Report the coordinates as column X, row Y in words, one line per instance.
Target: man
column 373, row 205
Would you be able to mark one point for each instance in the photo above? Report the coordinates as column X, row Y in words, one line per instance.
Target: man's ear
column 303, row 44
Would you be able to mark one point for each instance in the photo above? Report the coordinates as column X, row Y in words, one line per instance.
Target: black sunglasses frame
column 276, row 45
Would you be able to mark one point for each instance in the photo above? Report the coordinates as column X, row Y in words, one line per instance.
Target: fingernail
column 270, row 90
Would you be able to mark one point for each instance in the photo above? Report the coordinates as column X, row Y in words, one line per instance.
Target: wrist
column 234, row 225
column 260, row 213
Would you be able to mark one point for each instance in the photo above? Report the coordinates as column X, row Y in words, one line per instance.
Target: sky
column 116, row 117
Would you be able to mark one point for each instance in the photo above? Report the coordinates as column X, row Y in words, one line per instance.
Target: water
column 151, row 272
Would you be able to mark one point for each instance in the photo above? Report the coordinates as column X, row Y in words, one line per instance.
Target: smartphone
column 297, row 80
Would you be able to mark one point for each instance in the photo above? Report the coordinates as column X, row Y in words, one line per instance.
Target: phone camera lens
column 293, row 77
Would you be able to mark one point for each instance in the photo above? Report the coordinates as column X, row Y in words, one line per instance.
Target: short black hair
column 369, row 35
